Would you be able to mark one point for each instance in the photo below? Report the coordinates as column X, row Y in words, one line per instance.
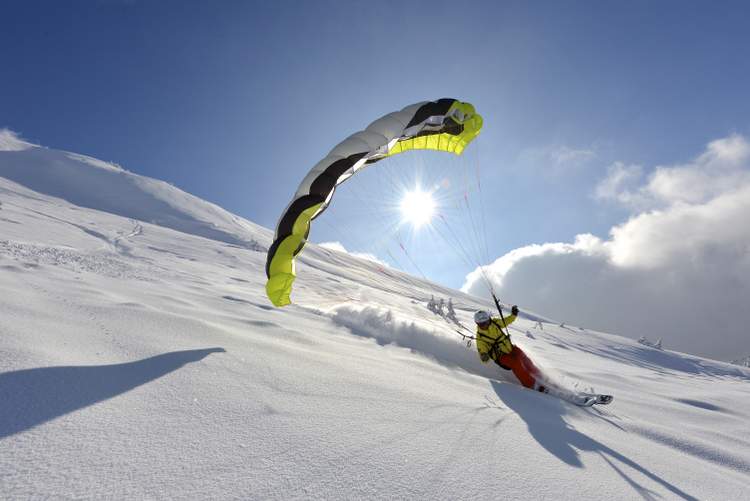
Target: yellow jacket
column 492, row 336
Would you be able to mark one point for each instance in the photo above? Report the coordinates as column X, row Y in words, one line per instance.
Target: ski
column 579, row 399
column 587, row 400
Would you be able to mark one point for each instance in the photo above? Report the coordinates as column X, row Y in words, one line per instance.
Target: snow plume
column 387, row 327
column 339, row 247
column 10, row 141
column 678, row 269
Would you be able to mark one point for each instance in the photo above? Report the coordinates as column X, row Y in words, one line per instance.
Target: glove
column 514, row 310
column 484, row 357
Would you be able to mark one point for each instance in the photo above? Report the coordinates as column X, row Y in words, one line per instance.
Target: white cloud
column 720, row 169
column 339, row 247
column 678, row 269
column 558, row 160
column 619, row 183
column 10, row 141
column 564, row 155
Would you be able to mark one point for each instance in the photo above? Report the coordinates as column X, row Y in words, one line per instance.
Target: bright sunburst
column 417, row 207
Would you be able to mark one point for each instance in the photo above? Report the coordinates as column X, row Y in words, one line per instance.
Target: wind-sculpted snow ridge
column 9, row 141
column 88, row 182
column 100, row 263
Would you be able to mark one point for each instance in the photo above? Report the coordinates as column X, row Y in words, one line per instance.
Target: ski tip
column 604, row 399
column 589, row 400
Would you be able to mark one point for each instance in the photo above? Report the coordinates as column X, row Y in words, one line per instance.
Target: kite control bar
column 502, row 317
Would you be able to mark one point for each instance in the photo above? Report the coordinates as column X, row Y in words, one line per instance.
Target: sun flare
column 417, row 207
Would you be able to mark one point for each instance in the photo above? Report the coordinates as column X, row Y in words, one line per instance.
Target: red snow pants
column 521, row 365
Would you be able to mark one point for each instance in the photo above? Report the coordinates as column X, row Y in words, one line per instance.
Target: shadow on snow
column 31, row 397
column 551, row 431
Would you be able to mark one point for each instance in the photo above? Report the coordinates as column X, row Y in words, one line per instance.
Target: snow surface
column 140, row 359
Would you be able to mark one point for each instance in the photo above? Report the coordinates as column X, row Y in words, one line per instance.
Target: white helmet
column 481, row 317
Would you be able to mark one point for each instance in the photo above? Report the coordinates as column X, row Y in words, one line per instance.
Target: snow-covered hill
column 140, row 359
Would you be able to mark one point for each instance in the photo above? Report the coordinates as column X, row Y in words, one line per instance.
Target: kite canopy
column 443, row 125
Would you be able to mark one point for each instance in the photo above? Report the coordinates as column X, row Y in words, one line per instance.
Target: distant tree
column 451, row 311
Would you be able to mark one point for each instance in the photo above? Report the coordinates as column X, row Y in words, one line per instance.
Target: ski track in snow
column 140, row 359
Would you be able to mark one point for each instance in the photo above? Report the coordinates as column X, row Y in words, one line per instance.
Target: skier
column 492, row 342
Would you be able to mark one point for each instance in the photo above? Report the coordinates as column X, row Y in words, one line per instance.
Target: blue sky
column 234, row 101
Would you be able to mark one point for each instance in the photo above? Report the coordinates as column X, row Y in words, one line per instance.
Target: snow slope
column 140, row 359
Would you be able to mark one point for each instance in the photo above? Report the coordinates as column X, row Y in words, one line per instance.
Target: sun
column 417, row 207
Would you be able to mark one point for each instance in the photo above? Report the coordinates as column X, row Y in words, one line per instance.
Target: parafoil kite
column 444, row 125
